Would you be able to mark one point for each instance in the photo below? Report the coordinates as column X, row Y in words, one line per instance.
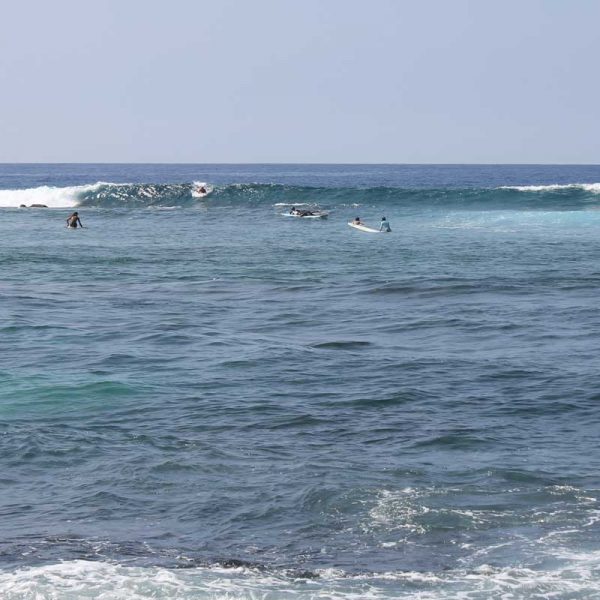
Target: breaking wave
column 575, row 196
column 80, row 578
column 586, row 187
column 52, row 197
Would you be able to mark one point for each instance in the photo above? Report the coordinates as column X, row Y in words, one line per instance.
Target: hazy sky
column 392, row 81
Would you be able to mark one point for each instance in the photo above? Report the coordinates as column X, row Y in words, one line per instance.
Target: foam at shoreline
column 71, row 580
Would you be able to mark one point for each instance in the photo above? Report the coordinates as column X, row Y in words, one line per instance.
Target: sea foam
column 71, row 580
column 52, row 197
column 555, row 187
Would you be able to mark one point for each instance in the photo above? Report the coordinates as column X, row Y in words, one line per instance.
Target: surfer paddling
column 301, row 213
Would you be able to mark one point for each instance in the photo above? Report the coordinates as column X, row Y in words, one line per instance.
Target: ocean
column 204, row 398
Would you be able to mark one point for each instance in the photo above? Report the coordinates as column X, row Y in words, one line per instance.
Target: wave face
column 575, row 196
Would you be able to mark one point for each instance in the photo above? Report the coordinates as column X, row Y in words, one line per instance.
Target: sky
column 309, row 81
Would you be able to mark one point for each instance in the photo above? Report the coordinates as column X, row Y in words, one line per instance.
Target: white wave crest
column 587, row 187
column 52, row 197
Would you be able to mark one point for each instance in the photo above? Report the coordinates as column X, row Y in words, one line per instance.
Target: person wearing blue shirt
column 385, row 226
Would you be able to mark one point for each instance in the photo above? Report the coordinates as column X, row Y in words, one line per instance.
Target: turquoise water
column 205, row 398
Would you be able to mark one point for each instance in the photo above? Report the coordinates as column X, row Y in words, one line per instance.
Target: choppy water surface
column 203, row 398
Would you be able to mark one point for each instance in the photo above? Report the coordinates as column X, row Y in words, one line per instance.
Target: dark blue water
column 202, row 397
column 18, row 176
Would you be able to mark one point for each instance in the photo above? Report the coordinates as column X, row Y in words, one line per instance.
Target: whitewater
column 201, row 398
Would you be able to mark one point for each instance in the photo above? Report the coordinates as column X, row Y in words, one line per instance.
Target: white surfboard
column 364, row 228
column 316, row 215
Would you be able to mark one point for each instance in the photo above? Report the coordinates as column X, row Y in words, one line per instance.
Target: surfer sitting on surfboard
column 73, row 220
column 357, row 221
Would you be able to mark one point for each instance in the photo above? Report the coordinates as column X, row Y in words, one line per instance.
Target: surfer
column 385, row 225
column 202, row 190
column 73, row 220
column 357, row 221
column 301, row 213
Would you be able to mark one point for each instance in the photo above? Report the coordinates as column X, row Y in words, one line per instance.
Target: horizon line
column 390, row 164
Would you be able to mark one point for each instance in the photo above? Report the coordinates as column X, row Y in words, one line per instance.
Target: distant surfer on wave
column 73, row 220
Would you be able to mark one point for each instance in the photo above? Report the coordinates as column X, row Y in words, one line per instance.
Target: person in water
column 357, row 221
column 301, row 213
column 385, row 225
column 73, row 220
